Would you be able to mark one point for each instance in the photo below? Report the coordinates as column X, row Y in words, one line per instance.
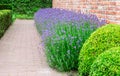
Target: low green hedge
column 102, row 39
column 107, row 63
column 5, row 6
column 26, row 8
column 5, row 20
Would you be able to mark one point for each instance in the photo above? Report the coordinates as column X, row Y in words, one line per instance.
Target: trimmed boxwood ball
column 102, row 39
column 107, row 63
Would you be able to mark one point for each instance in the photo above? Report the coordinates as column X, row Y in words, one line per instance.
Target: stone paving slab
column 21, row 53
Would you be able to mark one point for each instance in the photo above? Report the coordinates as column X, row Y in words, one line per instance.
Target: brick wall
column 106, row 9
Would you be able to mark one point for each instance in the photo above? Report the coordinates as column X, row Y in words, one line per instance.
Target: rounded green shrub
column 102, row 39
column 107, row 63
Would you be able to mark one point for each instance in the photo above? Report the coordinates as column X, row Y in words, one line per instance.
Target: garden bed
column 64, row 33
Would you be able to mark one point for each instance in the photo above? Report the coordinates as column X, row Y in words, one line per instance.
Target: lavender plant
column 63, row 33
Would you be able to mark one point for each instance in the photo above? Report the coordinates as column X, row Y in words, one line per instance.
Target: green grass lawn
column 21, row 16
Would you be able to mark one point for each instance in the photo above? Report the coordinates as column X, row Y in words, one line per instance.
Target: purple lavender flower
column 63, row 33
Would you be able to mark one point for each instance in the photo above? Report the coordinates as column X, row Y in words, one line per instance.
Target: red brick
column 103, row 8
column 118, row 13
column 112, row 3
column 117, row 8
column 118, row 19
column 111, row 12
column 110, row 8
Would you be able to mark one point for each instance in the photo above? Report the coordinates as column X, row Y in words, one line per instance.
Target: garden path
column 21, row 53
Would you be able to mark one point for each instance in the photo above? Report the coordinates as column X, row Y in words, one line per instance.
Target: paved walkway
column 21, row 53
